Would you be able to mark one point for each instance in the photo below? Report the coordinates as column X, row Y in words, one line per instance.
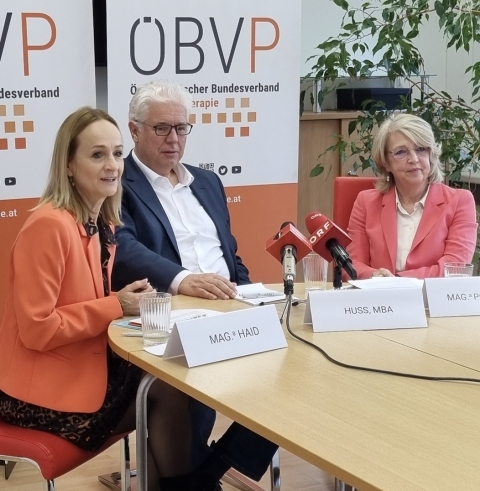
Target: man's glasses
column 403, row 153
column 164, row 129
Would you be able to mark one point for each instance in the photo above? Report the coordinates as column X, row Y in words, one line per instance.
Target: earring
column 70, row 178
column 388, row 177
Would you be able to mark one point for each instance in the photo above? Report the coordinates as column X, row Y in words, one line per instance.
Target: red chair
column 51, row 454
column 345, row 191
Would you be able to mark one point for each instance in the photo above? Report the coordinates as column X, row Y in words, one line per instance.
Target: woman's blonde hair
column 415, row 129
column 59, row 191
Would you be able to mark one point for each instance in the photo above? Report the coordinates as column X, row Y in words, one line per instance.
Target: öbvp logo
column 14, row 125
column 183, row 47
column 25, row 21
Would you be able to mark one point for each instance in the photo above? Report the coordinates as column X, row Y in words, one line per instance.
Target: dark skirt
column 88, row 431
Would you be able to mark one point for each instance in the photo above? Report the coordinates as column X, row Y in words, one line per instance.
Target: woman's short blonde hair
column 59, row 191
column 421, row 134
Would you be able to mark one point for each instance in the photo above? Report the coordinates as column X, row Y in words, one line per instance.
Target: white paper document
column 386, row 282
column 158, row 349
column 257, row 294
column 179, row 315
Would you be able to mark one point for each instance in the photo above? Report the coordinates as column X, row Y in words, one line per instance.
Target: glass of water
column 155, row 310
column 315, row 272
column 454, row 270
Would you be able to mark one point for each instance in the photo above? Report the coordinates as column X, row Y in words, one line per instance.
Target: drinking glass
column 454, row 270
column 314, row 272
column 155, row 310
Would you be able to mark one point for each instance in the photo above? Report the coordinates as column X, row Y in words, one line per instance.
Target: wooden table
column 376, row 432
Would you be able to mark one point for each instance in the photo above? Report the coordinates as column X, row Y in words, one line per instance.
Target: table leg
column 275, row 480
column 341, row 486
column 142, row 432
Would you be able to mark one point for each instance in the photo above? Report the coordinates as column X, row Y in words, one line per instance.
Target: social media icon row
column 236, row 169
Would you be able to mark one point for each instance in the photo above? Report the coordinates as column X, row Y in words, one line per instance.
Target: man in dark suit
column 177, row 234
column 148, row 236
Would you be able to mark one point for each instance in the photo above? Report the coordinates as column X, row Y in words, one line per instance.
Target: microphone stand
column 288, row 290
column 288, row 285
column 337, row 277
column 287, row 308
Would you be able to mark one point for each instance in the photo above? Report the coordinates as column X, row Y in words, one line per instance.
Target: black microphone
column 329, row 241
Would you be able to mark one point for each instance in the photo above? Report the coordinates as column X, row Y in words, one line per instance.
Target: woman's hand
column 382, row 272
column 130, row 296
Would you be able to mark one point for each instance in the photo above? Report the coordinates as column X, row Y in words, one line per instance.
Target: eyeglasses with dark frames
column 164, row 129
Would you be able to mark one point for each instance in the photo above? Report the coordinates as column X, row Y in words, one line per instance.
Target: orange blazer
column 53, row 337
column 447, row 232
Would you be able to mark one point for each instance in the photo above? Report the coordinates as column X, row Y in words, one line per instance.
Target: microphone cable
column 363, row 368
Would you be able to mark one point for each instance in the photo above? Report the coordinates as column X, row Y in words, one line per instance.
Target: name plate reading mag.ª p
column 222, row 337
column 361, row 310
column 453, row 297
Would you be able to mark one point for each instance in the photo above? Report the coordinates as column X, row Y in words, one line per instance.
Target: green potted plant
column 382, row 38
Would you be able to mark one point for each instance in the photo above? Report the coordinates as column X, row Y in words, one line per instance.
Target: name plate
column 453, row 297
column 222, row 337
column 359, row 310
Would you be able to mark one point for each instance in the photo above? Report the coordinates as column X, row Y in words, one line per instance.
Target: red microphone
column 329, row 241
column 288, row 246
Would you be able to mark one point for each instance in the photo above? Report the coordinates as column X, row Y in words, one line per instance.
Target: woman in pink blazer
column 57, row 373
column 412, row 224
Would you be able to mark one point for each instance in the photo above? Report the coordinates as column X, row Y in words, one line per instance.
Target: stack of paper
column 257, row 294
column 177, row 316
column 390, row 283
column 387, row 282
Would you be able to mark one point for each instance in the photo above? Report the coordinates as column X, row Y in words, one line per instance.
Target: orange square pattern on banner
column 11, row 128
column 232, row 113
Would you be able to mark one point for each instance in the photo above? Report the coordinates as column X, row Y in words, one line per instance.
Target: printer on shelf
column 352, row 98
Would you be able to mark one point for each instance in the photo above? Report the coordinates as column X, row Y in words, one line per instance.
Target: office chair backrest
column 345, row 191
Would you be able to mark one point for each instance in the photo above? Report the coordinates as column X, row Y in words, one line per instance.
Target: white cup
column 155, row 310
column 454, row 270
column 314, row 272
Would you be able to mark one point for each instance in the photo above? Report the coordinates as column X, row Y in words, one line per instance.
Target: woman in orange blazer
column 411, row 225
column 57, row 373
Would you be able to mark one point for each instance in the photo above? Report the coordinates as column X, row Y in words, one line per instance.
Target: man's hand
column 382, row 272
column 207, row 285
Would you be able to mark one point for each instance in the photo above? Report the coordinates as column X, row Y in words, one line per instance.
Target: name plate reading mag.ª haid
column 222, row 337
column 453, row 297
column 361, row 310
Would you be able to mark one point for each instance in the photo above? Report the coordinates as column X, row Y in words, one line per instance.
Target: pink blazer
column 447, row 232
column 53, row 336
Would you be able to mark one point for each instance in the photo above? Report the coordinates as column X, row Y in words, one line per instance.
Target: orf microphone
column 329, row 241
column 288, row 246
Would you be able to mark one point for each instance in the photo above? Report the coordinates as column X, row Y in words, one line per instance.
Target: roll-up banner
column 46, row 72
column 241, row 62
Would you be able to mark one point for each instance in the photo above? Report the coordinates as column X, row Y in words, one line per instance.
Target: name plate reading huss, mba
column 453, row 297
column 361, row 310
column 222, row 337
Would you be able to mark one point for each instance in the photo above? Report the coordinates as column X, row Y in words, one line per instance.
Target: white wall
column 320, row 20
